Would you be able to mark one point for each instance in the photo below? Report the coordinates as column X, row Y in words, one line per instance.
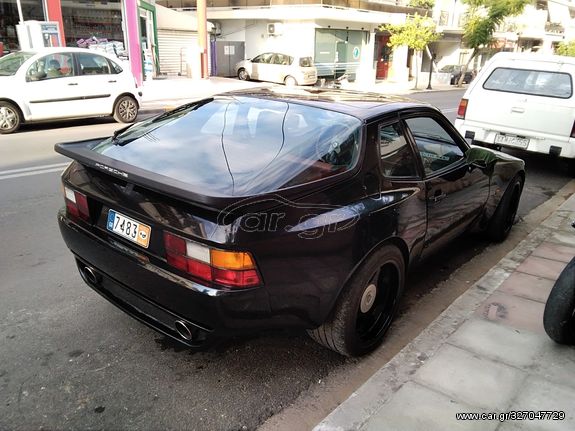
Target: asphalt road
column 70, row 360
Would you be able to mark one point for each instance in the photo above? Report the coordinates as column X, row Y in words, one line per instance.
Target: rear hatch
column 529, row 99
column 182, row 172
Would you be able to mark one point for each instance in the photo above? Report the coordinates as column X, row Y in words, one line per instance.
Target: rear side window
column 305, row 62
column 92, row 64
column 534, row 82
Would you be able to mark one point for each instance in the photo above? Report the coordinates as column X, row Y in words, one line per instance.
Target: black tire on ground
column 366, row 306
column 571, row 167
column 10, row 118
column 126, row 109
column 502, row 220
column 559, row 315
column 290, row 81
column 243, row 75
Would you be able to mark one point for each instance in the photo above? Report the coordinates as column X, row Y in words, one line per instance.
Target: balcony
column 394, row 6
column 554, row 28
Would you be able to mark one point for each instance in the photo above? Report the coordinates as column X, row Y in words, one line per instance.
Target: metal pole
column 430, row 71
column 20, row 15
column 203, row 36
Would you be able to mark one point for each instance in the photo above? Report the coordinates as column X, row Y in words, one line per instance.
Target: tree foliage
column 566, row 48
column 422, row 4
column 483, row 18
column 416, row 33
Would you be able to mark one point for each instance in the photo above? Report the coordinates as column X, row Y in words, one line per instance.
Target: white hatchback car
column 522, row 101
column 58, row 83
column 276, row 67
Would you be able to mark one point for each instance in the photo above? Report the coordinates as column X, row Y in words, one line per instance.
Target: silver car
column 276, row 67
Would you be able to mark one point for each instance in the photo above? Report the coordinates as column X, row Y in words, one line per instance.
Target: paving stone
column 557, row 364
column 542, row 267
column 417, row 408
column 564, row 237
column 568, row 205
column 501, row 343
column 471, row 379
column 514, row 311
column 540, row 395
column 552, row 251
column 527, row 286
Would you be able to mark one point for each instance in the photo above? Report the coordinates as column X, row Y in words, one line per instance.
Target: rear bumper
column 159, row 298
column 537, row 143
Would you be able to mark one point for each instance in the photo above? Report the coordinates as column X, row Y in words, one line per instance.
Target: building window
column 85, row 21
column 31, row 10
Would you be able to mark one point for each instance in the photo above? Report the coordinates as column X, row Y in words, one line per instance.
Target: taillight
column 227, row 268
column 462, row 109
column 76, row 204
column 573, row 130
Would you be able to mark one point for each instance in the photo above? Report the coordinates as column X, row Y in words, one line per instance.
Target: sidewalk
column 162, row 94
column 488, row 352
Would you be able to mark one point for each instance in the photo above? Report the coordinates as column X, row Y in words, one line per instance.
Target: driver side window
column 435, row 145
column 50, row 67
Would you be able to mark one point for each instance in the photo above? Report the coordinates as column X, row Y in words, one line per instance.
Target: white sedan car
column 58, row 83
column 276, row 67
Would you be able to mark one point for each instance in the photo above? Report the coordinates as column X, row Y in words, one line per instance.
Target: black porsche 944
column 277, row 208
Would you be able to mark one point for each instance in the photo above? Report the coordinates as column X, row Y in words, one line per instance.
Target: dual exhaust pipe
column 185, row 330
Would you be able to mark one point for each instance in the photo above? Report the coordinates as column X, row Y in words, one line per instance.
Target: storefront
column 31, row 10
column 84, row 20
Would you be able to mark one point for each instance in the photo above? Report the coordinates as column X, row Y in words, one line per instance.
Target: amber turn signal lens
column 231, row 260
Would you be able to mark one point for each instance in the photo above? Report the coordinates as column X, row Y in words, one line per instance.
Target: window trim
column 449, row 128
column 524, row 92
column 417, row 159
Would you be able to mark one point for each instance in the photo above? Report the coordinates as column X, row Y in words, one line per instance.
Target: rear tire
column 559, row 315
column 366, row 306
column 10, row 118
column 126, row 109
column 504, row 217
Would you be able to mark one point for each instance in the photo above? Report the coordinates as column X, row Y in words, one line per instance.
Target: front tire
column 366, row 306
column 559, row 315
column 10, row 118
column 504, row 216
column 243, row 75
column 126, row 109
column 290, row 81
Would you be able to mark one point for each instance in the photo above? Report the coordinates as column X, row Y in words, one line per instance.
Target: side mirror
column 35, row 76
column 481, row 164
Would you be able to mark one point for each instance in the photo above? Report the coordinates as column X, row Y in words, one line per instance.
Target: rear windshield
column 535, row 82
column 239, row 146
column 305, row 62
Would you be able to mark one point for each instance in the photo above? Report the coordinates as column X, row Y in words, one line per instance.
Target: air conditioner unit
column 217, row 29
column 275, row 28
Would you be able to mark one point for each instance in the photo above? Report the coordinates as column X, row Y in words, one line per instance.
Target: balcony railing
column 553, row 27
column 399, row 6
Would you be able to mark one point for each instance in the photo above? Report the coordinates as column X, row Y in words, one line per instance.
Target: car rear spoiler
column 82, row 152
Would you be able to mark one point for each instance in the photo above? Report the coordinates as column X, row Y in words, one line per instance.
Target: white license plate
column 129, row 228
column 512, row 141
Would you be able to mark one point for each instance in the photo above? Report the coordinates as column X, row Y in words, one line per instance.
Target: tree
column 416, row 33
column 483, row 18
column 566, row 48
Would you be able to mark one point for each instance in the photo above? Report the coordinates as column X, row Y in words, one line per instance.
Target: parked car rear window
column 305, row 62
column 535, row 82
column 241, row 145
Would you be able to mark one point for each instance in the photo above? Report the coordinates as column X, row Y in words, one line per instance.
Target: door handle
column 517, row 109
column 73, row 83
column 112, row 81
column 438, row 196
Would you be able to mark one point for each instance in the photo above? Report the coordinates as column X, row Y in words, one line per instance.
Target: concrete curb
column 381, row 387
